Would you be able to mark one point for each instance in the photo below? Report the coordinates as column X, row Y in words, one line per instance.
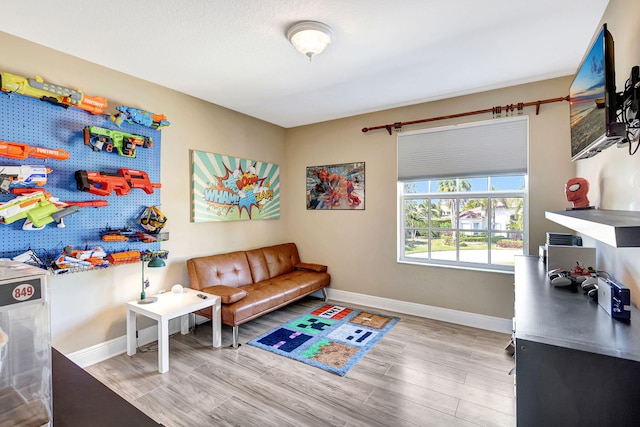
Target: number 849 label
column 23, row 292
column 20, row 291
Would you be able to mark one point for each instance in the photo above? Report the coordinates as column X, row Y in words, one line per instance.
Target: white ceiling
column 385, row 53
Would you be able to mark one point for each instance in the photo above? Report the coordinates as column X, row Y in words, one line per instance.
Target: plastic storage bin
column 25, row 347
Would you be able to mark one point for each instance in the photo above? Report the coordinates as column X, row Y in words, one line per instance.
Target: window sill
column 487, row 269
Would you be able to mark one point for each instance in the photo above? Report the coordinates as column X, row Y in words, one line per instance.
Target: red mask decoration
column 576, row 190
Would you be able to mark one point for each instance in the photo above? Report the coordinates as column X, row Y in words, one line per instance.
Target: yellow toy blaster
column 39, row 208
column 34, row 207
column 55, row 94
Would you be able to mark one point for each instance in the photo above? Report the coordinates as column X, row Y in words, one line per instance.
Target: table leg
column 216, row 325
column 163, row 345
column 131, row 332
column 184, row 324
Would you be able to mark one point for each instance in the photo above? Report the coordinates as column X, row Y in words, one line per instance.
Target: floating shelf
column 620, row 229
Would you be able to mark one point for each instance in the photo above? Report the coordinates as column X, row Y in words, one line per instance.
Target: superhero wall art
column 338, row 186
column 226, row 188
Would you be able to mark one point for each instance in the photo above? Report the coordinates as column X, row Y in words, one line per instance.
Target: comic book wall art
column 332, row 187
column 226, row 188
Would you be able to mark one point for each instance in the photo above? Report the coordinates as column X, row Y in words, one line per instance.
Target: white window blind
column 497, row 146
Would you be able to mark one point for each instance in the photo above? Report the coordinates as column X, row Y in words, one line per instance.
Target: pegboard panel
column 34, row 122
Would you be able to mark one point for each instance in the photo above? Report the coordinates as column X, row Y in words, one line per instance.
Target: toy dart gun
column 22, row 175
column 103, row 183
column 141, row 117
column 40, row 208
column 125, row 143
column 19, row 151
column 52, row 93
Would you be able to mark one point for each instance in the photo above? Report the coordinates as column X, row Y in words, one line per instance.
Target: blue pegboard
column 34, row 122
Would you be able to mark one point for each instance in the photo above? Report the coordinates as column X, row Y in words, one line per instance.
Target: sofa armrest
column 311, row 267
column 227, row 294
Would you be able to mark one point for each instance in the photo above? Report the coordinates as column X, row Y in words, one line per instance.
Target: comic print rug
column 330, row 337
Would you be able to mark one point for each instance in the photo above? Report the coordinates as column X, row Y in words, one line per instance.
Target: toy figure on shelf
column 141, row 117
column 148, row 254
column 576, row 190
column 52, row 93
column 22, row 175
column 19, row 151
column 103, row 183
column 125, row 143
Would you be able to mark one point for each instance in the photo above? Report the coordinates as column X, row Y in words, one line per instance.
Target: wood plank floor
column 422, row 373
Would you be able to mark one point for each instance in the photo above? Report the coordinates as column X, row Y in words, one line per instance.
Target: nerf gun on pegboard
column 103, row 183
column 39, row 208
column 135, row 115
column 22, row 175
column 55, row 94
column 125, row 143
column 127, row 234
column 19, row 151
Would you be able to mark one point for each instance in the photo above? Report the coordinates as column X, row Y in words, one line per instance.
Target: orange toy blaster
column 19, row 151
column 103, row 183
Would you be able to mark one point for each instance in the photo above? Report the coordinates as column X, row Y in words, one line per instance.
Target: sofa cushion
column 270, row 294
column 230, row 269
column 272, row 261
column 227, row 294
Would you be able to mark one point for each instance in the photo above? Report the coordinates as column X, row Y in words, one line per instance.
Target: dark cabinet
column 575, row 365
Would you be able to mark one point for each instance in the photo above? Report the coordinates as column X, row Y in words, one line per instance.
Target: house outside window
column 462, row 194
column 465, row 222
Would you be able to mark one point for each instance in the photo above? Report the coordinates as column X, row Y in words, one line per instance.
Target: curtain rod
column 495, row 110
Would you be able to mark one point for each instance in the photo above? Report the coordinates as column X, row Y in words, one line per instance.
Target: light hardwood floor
column 422, row 373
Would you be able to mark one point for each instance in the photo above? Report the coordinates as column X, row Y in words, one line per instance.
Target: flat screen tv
column 592, row 98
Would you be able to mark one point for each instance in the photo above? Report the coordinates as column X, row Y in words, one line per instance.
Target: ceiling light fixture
column 310, row 37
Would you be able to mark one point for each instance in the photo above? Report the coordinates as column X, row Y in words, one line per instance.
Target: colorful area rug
column 330, row 337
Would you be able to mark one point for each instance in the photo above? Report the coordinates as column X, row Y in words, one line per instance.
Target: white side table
column 170, row 306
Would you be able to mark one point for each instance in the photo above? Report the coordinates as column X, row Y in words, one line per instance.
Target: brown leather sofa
column 255, row 282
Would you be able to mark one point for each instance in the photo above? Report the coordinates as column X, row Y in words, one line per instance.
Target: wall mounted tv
column 592, row 98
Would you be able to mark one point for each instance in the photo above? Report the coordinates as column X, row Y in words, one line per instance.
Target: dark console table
column 575, row 365
column 81, row 400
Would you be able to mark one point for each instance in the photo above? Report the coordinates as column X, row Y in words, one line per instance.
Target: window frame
column 461, row 195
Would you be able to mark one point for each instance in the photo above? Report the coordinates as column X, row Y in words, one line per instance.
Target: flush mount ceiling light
column 310, row 37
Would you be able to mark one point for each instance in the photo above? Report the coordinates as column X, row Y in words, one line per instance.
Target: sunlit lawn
column 437, row 245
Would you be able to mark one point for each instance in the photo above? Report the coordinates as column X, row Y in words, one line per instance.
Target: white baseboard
column 490, row 323
column 103, row 351
column 108, row 349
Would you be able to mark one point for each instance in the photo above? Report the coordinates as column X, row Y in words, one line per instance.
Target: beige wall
column 614, row 175
column 360, row 246
column 88, row 308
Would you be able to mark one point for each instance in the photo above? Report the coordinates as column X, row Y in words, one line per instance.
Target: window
column 472, row 213
column 461, row 224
